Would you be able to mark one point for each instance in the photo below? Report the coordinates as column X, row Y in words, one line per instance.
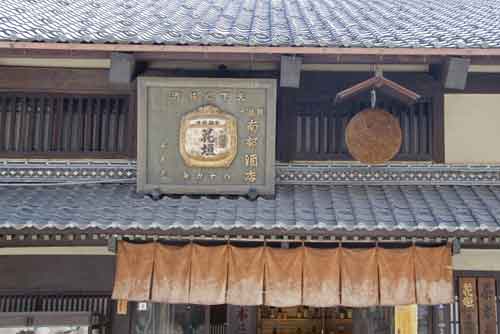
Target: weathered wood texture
column 312, row 127
column 57, row 274
column 487, row 305
column 52, row 80
column 468, row 305
column 45, row 124
column 55, row 303
column 481, row 312
column 65, row 113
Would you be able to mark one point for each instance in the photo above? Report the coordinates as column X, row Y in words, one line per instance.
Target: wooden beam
column 30, row 79
column 251, row 49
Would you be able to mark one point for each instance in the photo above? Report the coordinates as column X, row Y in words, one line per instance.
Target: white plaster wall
column 472, row 128
column 477, row 259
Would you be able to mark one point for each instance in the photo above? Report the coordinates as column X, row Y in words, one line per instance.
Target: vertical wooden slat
column 96, row 106
column 468, row 305
column 315, row 128
column 12, row 127
column 416, row 128
column 44, row 123
column 73, row 124
column 113, row 123
column 7, row 303
column 58, row 123
column 122, row 124
column 298, row 139
column 31, row 115
column 487, row 305
column 7, row 128
column 105, row 124
column 81, row 123
column 325, row 141
column 62, row 145
column 423, row 129
column 53, row 115
column 87, row 143
column 430, row 131
column 337, row 119
column 3, row 113
column 20, row 128
column 307, row 134
column 37, row 124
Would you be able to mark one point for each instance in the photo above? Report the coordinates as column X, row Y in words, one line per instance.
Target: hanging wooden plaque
column 468, row 305
column 487, row 305
column 373, row 136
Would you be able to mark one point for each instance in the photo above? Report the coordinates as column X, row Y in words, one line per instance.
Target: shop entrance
column 153, row 318
column 334, row 320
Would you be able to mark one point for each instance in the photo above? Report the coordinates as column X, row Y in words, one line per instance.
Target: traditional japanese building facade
column 188, row 167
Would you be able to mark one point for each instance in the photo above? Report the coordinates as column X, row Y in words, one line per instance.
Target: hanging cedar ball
column 373, row 136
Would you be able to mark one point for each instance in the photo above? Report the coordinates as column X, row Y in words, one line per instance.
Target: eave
column 311, row 54
column 306, row 50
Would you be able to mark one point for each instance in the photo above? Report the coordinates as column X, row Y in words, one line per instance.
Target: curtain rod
column 266, row 240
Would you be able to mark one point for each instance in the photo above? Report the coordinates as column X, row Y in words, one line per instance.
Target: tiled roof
column 335, row 23
column 409, row 208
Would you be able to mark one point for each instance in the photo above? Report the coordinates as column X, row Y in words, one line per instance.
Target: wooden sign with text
column 206, row 135
column 487, row 305
column 468, row 305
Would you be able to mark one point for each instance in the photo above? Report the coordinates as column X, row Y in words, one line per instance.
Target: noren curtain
column 172, row 270
column 321, row 280
column 134, row 268
column 434, row 275
column 283, row 277
column 359, row 275
column 246, row 276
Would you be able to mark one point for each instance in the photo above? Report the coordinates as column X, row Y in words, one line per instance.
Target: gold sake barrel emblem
column 208, row 137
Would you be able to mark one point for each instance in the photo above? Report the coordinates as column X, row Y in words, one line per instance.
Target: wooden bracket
column 382, row 84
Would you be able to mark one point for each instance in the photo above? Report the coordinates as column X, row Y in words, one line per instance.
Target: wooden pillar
column 120, row 323
column 468, row 305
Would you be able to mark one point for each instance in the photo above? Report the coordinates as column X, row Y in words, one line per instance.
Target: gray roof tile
column 408, row 208
column 338, row 23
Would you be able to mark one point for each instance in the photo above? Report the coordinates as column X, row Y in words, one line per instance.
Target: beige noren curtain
column 134, row 268
column 434, row 275
column 397, row 276
column 172, row 274
column 321, row 282
column 359, row 275
column 246, row 276
column 283, row 276
column 208, row 275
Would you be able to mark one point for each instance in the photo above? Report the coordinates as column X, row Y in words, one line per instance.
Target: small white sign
column 142, row 306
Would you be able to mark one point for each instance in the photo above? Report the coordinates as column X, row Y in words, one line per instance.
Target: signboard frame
column 265, row 187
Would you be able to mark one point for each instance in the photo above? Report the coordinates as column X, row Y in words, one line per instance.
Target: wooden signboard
column 206, row 135
column 487, row 305
column 468, row 305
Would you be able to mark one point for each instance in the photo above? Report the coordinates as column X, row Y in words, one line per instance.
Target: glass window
column 154, row 318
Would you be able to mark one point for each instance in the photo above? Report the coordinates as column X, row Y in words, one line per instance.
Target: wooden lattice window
column 320, row 128
column 100, row 304
column 65, row 125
